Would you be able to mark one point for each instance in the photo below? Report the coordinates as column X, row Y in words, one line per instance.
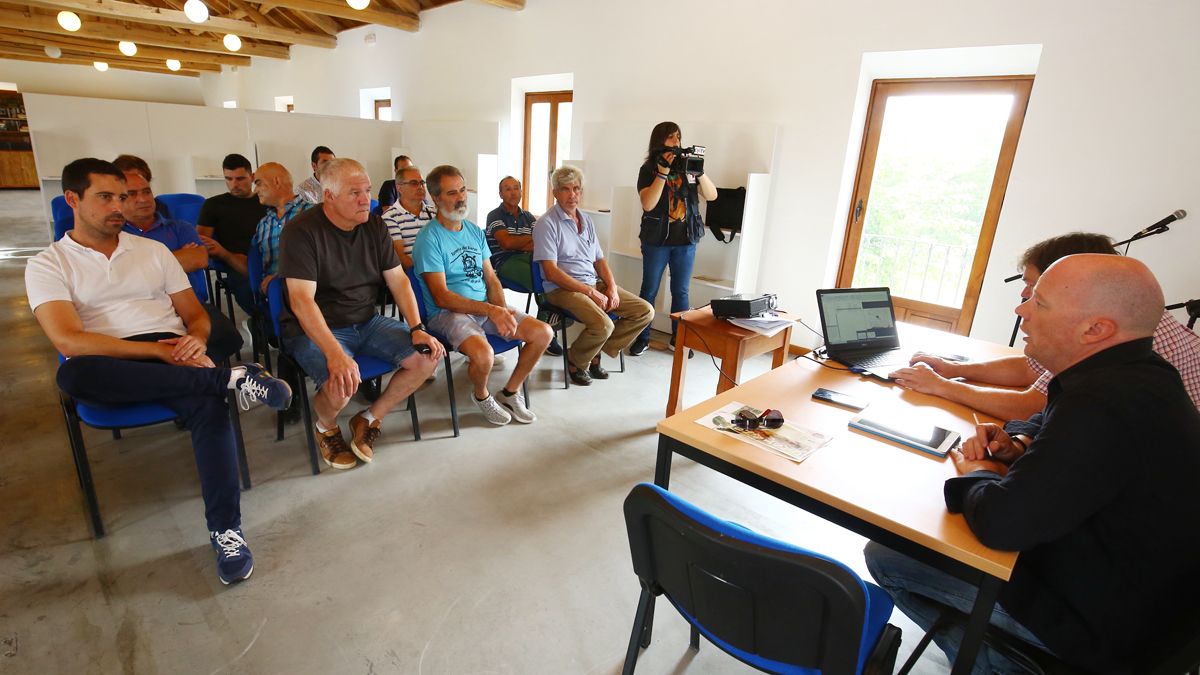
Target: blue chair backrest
column 418, row 286
column 775, row 605
column 275, row 302
column 536, row 268
column 183, row 205
column 254, row 269
column 374, row 206
column 60, row 210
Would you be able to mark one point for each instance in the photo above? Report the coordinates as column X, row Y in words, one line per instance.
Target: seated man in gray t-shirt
column 335, row 258
column 577, row 279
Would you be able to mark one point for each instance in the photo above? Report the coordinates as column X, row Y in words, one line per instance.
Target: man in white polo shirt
column 122, row 311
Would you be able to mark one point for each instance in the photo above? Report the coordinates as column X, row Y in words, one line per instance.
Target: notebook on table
column 859, row 326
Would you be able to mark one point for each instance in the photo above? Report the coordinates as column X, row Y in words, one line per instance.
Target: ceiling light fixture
column 69, row 21
column 232, row 42
column 196, row 11
column 358, row 4
column 127, row 48
column 53, row 52
column 173, row 65
column 100, row 66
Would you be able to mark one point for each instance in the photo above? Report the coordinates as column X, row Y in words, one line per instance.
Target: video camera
column 688, row 160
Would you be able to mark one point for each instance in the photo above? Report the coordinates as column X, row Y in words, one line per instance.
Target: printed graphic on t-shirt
column 469, row 258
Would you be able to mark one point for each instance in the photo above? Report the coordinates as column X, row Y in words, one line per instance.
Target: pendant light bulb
column 127, row 48
column 358, row 4
column 232, row 42
column 100, row 66
column 173, row 65
column 53, row 52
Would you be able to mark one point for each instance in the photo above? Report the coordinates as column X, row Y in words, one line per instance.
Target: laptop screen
column 857, row 318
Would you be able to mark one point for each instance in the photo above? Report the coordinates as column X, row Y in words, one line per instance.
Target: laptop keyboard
column 879, row 359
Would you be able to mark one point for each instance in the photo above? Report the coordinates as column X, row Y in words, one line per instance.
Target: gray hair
column 401, row 172
column 565, row 175
column 433, row 182
column 336, row 171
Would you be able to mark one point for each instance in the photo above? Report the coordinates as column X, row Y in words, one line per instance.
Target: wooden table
column 878, row 489
column 698, row 329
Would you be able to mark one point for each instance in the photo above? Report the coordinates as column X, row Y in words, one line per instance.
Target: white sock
column 236, row 373
column 321, row 428
column 366, row 413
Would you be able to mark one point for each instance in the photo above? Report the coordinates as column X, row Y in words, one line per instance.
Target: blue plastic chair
column 129, row 416
column 369, row 368
column 499, row 346
column 561, row 319
column 772, row 605
column 183, row 205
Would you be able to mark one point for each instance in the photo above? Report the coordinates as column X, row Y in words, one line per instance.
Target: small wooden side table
column 698, row 329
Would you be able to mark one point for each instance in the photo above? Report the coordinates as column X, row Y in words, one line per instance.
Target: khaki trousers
column 599, row 331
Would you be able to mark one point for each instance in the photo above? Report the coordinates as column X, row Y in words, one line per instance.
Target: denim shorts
column 382, row 337
column 458, row 327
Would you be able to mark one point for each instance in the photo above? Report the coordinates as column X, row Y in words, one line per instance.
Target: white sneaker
column 497, row 361
column 516, row 407
column 492, row 411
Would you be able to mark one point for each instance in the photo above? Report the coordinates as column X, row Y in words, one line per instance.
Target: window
column 931, row 180
column 229, row 104
column 547, row 143
column 383, row 109
column 284, row 104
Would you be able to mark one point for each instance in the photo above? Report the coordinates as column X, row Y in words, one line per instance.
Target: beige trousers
column 600, row 332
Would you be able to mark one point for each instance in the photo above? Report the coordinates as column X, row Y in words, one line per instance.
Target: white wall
column 1110, row 139
column 71, row 80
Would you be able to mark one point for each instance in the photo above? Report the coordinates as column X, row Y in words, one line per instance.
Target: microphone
column 1153, row 229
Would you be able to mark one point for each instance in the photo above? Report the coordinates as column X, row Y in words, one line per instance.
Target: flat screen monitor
column 725, row 212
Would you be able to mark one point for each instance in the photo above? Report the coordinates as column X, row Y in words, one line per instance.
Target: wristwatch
column 418, row 327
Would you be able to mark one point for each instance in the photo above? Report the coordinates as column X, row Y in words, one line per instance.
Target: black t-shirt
column 674, row 196
column 233, row 220
column 347, row 266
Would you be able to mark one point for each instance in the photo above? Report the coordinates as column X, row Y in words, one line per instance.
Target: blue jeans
column 655, row 259
column 380, row 337
column 196, row 395
column 918, row 590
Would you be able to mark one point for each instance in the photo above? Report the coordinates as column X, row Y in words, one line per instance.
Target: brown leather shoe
column 333, row 449
column 362, row 437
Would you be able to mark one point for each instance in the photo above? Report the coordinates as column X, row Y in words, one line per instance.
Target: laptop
column 859, row 325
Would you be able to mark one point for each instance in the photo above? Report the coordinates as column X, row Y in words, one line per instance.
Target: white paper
column 795, row 443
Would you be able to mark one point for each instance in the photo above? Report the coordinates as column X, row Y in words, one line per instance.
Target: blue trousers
column 655, row 260
column 920, row 591
column 197, row 395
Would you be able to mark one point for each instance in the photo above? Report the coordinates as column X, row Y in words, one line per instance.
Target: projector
column 742, row 306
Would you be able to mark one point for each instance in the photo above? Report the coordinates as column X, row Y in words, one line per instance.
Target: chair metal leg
column 116, row 434
column 83, row 468
column 450, row 393
column 528, row 301
column 566, row 364
column 621, row 355
column 695, row 641
column 921, row 645
column 235, row 418
column 412, row 413
column 306, row 407
column 648, row 628
column 645, row 606
column 279, row 425
column 525, row 390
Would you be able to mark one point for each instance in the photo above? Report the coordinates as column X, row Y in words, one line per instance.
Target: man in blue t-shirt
column 465, row 301
column 142, row 219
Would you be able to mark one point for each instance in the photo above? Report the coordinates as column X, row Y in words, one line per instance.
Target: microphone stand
column 1012, row 340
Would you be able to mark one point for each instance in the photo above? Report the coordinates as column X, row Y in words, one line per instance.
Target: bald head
column 1120, row 289
column 273, row 185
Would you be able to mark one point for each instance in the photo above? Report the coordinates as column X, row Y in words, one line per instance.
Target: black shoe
column 580, row 377
column 293, row 414
column 597, row 371
column 691, row 353
column 639, row 346
column 554, row 348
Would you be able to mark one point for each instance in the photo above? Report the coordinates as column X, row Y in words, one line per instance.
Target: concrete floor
column 503, row 551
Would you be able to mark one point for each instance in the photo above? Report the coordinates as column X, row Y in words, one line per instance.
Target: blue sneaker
column 234, row 561
column 259, row 385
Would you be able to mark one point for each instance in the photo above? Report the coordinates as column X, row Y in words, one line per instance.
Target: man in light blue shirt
column 577, row 279
column 465, row 301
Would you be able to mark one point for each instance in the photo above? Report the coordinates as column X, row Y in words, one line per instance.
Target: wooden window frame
column 380, row 103
column 1018, row 85
column 554, row 98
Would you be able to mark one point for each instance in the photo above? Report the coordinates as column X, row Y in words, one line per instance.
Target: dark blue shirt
column 500, row 218
column 174, row 234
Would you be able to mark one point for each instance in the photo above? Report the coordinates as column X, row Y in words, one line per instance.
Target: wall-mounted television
column 725, row 212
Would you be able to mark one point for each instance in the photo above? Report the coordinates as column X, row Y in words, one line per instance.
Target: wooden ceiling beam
column 515, row 5
column 129, row 11
column 87, row 56
column 401, row 20
column 108, row 48
column 36, row 55
column 321, row 21
column 100, row 30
